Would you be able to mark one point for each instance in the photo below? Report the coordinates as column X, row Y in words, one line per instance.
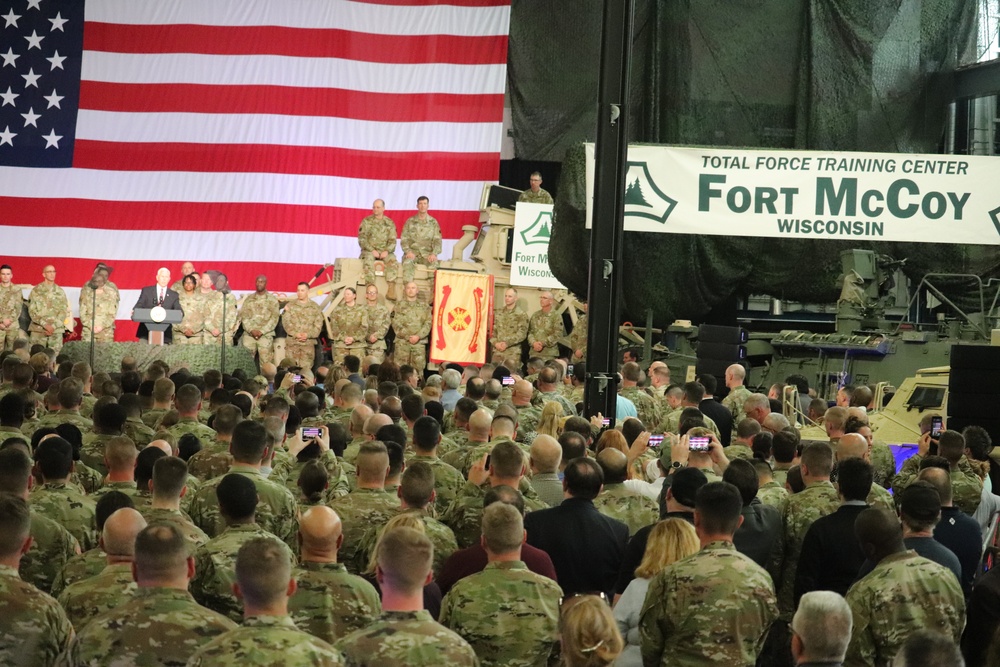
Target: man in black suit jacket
column 761, row 535
column 159, row 294
column 831, row 553
column 586, row 547
column 710, row 407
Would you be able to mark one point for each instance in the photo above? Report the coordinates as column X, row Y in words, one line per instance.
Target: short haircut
column 426, row 434
column 747, row 428
column 583, row 478
column 15, row 470
column 927, row 648
column 144, row 464
column 352, row 363
column 855, row 477
column 263, row 570
column 416, row 487
column 475, row 388
column 719, row 506
column 694, row 392
column 396, row 453
column 109, row 503
column 823, row 623
column 783, row 446
column 70, row 393
column 237, row 495
column 15, row 524
column 951, row 445
column 741, row 474
column 120, row 452
column 818, row 458
column 161, row 552
column 187, row 398
column 573, row 445
column 249, row 442
column 507, row 459
column 372, row 461
column 391, row 433
column 404, row 557
column 940, row 479
column 501, row 493
column 503, row 528
column 54, row 458
column 614, row 465
column 464, row 408
column 709, row 382
column 631, row 428
column 835, row 418
column 163, row 389
column 169, row 477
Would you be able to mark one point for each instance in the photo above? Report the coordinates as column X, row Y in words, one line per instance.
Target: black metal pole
column 93, row 321
column 222, row 368
column 610, row 153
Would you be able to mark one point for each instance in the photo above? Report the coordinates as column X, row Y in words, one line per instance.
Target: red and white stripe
column 252, row 136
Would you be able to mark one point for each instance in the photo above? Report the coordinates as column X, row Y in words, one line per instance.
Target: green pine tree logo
column 634, row 196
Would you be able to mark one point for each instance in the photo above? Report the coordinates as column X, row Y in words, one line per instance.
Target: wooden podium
column 157, row 320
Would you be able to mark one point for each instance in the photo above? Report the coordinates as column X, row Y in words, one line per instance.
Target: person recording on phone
column 700, row 449
column 966, row 485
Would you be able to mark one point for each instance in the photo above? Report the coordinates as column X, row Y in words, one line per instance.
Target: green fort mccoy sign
column 530, row 251
column 809, row 194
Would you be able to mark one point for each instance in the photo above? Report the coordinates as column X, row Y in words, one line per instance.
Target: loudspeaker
column 711, row 333
column 973, row 390
column 723, row 351
column 982, row 357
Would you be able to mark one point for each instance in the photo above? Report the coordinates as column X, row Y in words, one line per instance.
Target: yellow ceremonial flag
column 463, row 306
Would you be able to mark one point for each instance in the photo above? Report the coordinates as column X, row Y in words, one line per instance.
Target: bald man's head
column 320, row 534
column 546, row 454
column 120, row 531
column 522, row 392
column 162, row 445
column 614, row 464
column 359, row 415
column 375, row 422
column 479, row 424
column 852, row 446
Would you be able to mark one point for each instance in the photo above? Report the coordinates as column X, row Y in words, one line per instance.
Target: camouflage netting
column 822, row 74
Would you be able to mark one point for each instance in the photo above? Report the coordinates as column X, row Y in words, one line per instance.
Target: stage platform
column 197, row 358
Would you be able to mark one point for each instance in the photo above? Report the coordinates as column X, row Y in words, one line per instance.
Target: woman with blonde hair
column 550, row 422
column 588, row 636
column 669, row 541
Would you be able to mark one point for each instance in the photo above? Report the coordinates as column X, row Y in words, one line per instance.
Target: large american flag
column 247, row 136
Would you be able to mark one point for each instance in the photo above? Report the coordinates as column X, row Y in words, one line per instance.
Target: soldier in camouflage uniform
column 190, row 330
column 221, row 315
column 169, row 480
column 508, row 614
column 34, row 629
column 277, row 511
column 59, row 501
column 107, row 302
column 818, row 499
column 411, row 320
column 260, row 316
column 966, row 485
column 330, row 602
column 510, row 328
column 11, row 302
column 545, row 328
column 647, row 407
column 448, row 481
column 618, row 502
column 769, row 491
column 366, row 506
column 53, row 548
column 162, row 625
column 303, row 322
column 187, row 401
column 578, row 338
column 535, row 194
column 379, row 320
column 114, row 586
column 405, row 638
column 903, row 593
column 421, row 241
column 715, row 606
column 377, row 238
column 350, row 327
column 49, row 311
column 738, row 394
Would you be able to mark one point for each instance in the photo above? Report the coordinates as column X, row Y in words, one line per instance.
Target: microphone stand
column 222, row 368
column 93, row 321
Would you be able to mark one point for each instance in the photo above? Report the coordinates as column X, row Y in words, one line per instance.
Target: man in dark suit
column 831, row 555
column 761, row 535
column 158, row 295
column 712, row 408
column 586, row 547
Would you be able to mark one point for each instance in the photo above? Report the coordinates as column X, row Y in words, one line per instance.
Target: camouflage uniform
column 546, row 328
column 801, row 510
column 11, row 302
column 507, row 613
column 263, row 641
column 160, row 626
column 68, row 507
column 510, row 327
column 634, row 511
column 260, row 313
column 359, row 511
column 734, row 400
column 439, row 534
column 52, row 548
column 211, row 462
column 153, row 416
column 215, row 569
column 447, row 480
column 647, row 407
column 713, row 607
column 128, row 488
column 193, row 305
column 62, row 416
column 288, row 470
column 465, row 515
column 331, row 603
column 191, row 425
column 214, row 311
column 78, row 568
column 107, row 309
column 276, row 509
column 88, row 598
column 671, row 423
column 140, row 434
column 738, row 451
column 902, row 594
column 379, row 319
column 411, row 318
column 92, row 451
column 883, row 463
column 773, row 494
column 378, row 235
column 349, row 322
column 568, row 408
column 34, row 629
column 880, row 498
column 422, row 238
column 578, row 339
column 966, row 486
column 194, row 535
column 304, row 318
column 406, row 639
column 541, row 197
column 48, row 305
